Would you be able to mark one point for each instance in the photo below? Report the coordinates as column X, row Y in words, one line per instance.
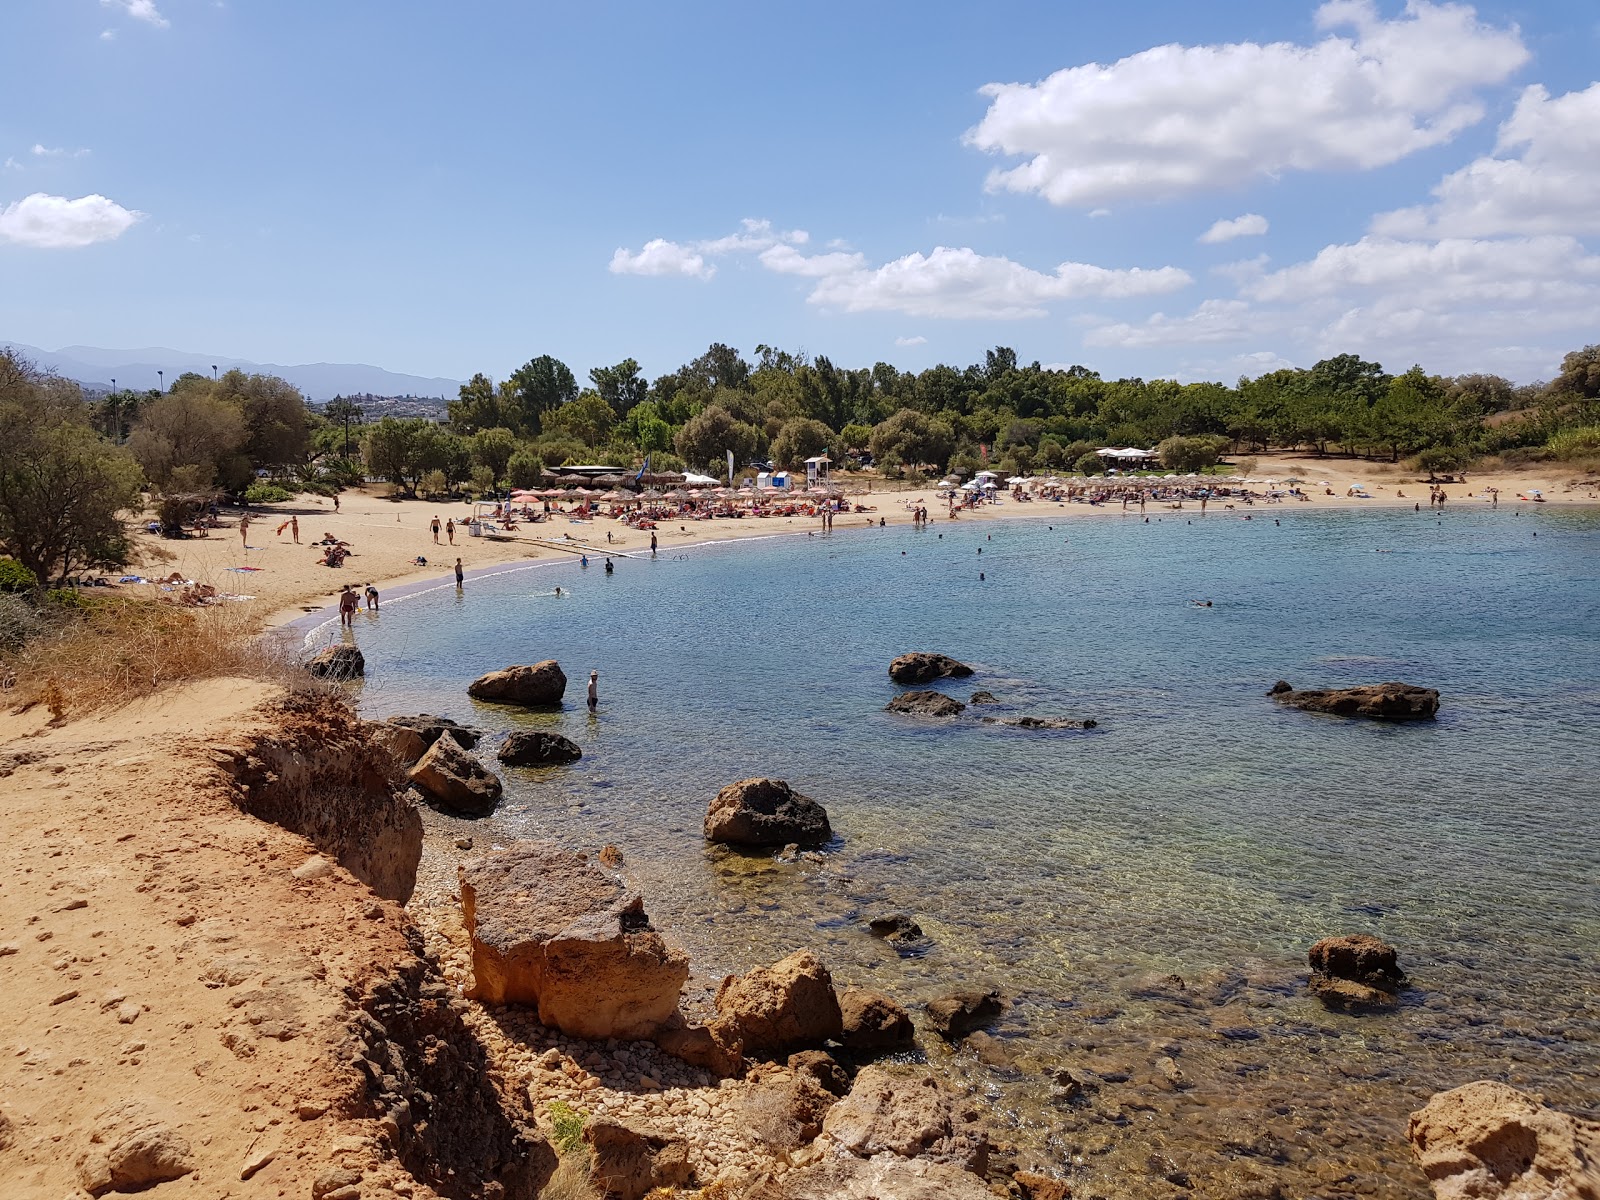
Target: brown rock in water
column 541, row 685
column 131, row 1148
column 1488, row 1141
column 609, row 856
column 553, row 932
column 983, row 698
column 874, row 1024
column 404, row 745
column 925, row 704
column 1041, row 1187
column 1355, row 971
column 456, row 779
column 632, row 1161
column 959, row 1013
column 788, row 1006
column 912, row 1116
column 765, row 812
column 1380, row 701
column 538, row 749
column 895, row 927
column 338, row 663
column 845, row 1177
column 432, row 728
column 923, row 667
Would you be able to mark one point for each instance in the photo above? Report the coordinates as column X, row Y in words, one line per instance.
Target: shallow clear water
column 1201, row 830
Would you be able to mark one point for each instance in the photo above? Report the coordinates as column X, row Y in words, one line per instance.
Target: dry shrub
column 573, row 1180
column 120, row 649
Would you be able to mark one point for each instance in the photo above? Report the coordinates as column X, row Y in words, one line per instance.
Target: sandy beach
column 285, row 580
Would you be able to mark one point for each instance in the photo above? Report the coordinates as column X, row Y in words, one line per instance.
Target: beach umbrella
column 651, row 494
column 613, row 495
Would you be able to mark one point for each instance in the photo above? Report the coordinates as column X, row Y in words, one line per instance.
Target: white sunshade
column 1017, row 479
column 700, row 480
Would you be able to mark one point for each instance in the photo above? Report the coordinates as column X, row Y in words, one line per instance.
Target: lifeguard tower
column 817, row 471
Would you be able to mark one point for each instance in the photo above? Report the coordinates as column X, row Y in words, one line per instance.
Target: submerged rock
column 537, row 686
column 959, row 1013
column 895, row 927
column 1488, row 1141
column 1355, row 971
column 337, row 663
column 925, row 704
column 923, row 667
column 455, row 779
column 553, row 932
column 983, row 698
column 775, row 1010
column 1042, row 722
column 1380, row 701
column 538, row 749
column 765, row 812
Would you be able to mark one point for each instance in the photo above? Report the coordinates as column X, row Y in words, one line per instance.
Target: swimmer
column 558, row 591
column 980, row 576
column 583, row 560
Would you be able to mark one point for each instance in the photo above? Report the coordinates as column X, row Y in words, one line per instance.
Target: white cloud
column 661, row 257
column 13, row 165
column 1551, row 186
column 55, row 223
column 1213, row 321
column 963, row 283
column 108, row 35
column 918, row 340
column 139, row 10
column 42, row 151
column 786, row 260
column 753, row 236
column 1178, row 119
column 1249, row 225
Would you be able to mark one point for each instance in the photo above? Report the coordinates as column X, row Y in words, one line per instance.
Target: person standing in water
column 652, row 541
column 460, row 574
column 348, row 603
column 594, row 690
column 372, row 598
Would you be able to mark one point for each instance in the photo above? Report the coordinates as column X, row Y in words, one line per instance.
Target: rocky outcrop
column 338, row 663
column 874, row 1024
column 983, row 698
column 630, row 1162
column 538, row 749
column 1355, row 971
column 432, row 728
column 885, row 1177
column 910, row 1116
column 822, row 1067
column 765, row 812
column 923, row 667
column 1042, row 722
column 1488, row 1141
column 538, row 686
column 319, row 774
column 403, row 745
column 1380, row 701
column 452, row 777
column 955, row 1015
column 788, row 1006
column 925, row 704
column 714, row 1048
column 133, row 1146
column 553, row 932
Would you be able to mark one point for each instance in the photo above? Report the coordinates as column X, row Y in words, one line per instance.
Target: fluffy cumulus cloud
column 692, row 259
column 139, row 10
column 1544, row 177
column 961, row 283
column 661, row 257
column 915, row 340
column 786, row 260
column 1175, row 119
column 1249, row 225
column 56, row 223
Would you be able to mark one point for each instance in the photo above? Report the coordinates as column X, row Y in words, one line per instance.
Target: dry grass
column 120, row 649
column 572, row 1180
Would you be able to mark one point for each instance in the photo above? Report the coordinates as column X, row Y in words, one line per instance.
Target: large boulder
column 765, row 812
column 455, row 779
column 1381, row 701
column 629, row 1162
column 539, row 686
column 957, row 1014
column 553, row 932
column 1355, row 971
column 405, row 746
column 923, row 667
column 913, row 1116
column 874, row 1024
column 925, row 704
column 432, row 728
column 538, row 749
column 337, row 663
column 788, row 1006
column 1488, row 1141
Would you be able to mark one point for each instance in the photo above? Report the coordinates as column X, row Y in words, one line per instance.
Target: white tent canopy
column 694, row 480
column 1127, row 453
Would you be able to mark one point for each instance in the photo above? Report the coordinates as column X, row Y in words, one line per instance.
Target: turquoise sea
column 1200, row 831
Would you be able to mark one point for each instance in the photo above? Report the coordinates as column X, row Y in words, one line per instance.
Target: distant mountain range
column 96, row 368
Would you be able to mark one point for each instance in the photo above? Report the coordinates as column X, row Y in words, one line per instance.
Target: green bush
column 19, row 622
column 14, row 577
column 567, row 1123
column 68, row 600
column 266, row 493
column 1575, row 443
column 1089, row 464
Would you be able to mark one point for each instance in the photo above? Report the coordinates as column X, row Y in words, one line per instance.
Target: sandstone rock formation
column 913, row 1116
column 1488, row 1141
column 551, row 931
column 403, row 745
column 338, row 663
column 765, row 812
column 784, row 1109
column 873, row 1023
column 538, row 749
column 923, row 667
column 1381, row 701
column 1355, row 971
column 822, row 1067
column 630, row 1162
column 983, row 698
column 457, row 780
column 883, row 1177
column 925, row 704
column 788, row 1006
column 714, row 1048
column 539, row 686
column 1042, row 722
column 132, row 1147
column 432, row 728
column 955, row 1015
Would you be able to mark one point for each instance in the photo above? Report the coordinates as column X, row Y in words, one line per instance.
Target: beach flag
column 642, row 469
column 730, row 468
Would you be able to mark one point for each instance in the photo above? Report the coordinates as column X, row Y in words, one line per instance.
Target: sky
column 1151, row 188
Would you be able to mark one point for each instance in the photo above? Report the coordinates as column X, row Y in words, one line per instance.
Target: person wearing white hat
column 594, row 690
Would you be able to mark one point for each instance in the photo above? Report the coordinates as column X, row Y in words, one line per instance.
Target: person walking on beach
column 435, row 529
column 336, row 503
column 348, row 604
column 594, row 690
column 244, row 530
column 294, row 529
column 460, row 574
column 372, row 598
column 450, row 530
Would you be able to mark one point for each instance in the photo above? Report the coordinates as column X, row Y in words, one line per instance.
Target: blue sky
column 441, row 189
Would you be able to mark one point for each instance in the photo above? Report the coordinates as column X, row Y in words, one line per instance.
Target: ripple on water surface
column 1200, row 832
